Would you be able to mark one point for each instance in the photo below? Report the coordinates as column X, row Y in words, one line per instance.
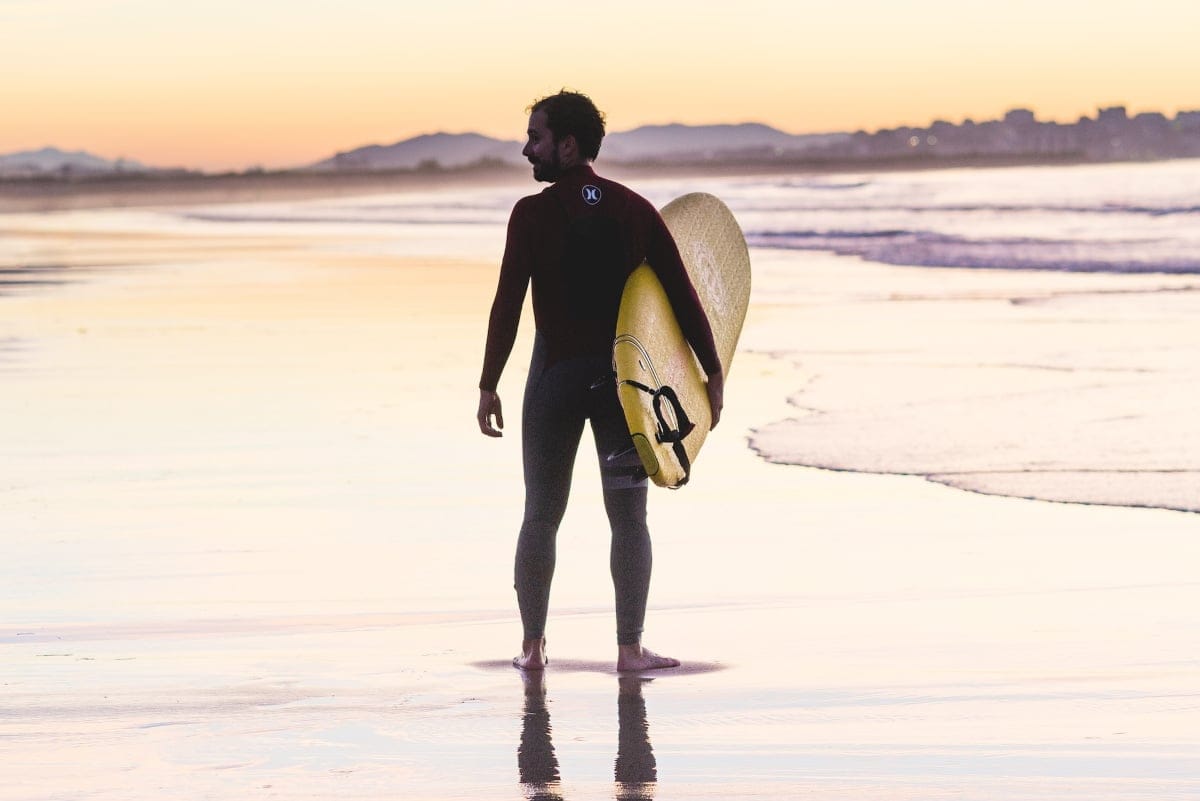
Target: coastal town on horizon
column 1112, row 135
column 1018, row 137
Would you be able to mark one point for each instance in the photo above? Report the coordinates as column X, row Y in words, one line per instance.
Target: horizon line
column 1123, row 107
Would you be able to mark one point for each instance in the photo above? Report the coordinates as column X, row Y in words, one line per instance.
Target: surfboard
column 660, row 383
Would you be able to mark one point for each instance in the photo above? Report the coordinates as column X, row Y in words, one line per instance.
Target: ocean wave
column 822, row 185
column 331, row 219
column 931, row 249
column 467, row 208
column 933, row 207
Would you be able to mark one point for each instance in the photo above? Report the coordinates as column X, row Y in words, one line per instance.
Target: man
column 577, row 242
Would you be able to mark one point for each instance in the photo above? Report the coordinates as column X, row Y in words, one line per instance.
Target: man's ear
column 568, row 148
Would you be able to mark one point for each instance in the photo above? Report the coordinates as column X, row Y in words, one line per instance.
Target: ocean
column 1107, row 218
column 1129, row 232
column 1097, row 218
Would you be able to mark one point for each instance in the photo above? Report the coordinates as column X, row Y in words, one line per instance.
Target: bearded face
column 542, row 149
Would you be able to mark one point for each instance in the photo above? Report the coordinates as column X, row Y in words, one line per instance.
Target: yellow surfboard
column 659, row 380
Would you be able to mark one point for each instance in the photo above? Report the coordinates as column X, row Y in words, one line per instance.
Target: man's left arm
column 664, row 258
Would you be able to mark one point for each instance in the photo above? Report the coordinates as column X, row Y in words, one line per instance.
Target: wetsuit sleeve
column 663, row 255
column 515, row 270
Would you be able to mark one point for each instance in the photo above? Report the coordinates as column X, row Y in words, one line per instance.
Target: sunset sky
column 222, row 84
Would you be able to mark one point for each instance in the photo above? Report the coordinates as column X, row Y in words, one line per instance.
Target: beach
column 257, row 548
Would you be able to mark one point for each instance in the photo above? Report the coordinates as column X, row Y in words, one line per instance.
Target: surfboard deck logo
column 660, row 383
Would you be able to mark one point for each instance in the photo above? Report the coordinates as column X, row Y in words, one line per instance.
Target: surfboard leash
column 666, row 433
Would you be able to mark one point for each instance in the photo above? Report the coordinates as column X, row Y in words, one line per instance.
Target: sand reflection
column 635, row 772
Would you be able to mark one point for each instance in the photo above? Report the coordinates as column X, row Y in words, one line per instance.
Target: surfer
column 577, row 241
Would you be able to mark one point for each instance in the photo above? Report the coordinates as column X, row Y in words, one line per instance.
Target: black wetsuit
column 578, row 241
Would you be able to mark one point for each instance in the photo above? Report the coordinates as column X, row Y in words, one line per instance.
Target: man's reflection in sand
column 635, row 771
column 536, row 761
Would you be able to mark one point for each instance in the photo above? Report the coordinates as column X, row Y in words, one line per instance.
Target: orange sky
column 229, row 84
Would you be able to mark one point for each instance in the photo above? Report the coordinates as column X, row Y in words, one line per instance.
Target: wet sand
column 256, row 547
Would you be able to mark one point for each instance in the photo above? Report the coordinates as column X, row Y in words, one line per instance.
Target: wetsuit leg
column 625, row 490
column 552, row 421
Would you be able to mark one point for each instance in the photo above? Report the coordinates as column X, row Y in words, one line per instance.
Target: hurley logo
column 591, row 195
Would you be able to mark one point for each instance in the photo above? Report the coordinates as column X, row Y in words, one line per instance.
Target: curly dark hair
column 573, row 114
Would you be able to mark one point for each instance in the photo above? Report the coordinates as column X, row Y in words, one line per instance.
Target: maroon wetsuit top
column 578, row 241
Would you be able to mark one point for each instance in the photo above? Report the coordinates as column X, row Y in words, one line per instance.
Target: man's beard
column 547, row 171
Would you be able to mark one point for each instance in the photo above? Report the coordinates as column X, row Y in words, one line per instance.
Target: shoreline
column 1083, row 378
column 27, row 195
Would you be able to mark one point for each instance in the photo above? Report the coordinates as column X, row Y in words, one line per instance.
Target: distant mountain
column 444, row 149
column 676, row 142
column 649, row 143
column 1112, row 135
column 52, row 161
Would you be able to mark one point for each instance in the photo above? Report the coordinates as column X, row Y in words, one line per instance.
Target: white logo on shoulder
column 591, row 195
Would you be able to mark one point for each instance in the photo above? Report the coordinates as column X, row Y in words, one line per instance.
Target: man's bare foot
column 635, row 657
column 533, row 655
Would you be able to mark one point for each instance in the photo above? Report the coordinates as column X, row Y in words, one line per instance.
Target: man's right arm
column 663, row 255
column 515, row 270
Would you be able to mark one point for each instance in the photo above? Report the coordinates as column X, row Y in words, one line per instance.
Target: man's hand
column 716, row 396
column 489, row 407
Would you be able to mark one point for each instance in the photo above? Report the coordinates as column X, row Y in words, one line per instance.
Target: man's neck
column 574, row 169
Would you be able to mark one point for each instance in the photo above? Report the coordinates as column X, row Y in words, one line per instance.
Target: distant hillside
column 1019, row 137
column 675, row 142
column 664, row 143
column 444, row 149
column 50, row 161
column 1112, row 135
